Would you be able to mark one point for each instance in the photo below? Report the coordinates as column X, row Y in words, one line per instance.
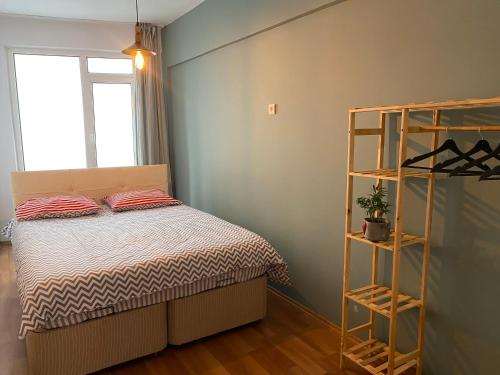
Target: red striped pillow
column 139, row 200
column 59, row 206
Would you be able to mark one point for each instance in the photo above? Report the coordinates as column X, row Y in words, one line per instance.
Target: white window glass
column 114, row 66
column 51, row 111
column 113, row 124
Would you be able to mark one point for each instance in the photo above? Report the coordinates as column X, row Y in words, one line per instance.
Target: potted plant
column 375, row 227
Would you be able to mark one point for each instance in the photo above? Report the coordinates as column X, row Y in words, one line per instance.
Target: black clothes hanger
column 492, row 174
column 482, row 145
column 464, row 170
column 448, row 145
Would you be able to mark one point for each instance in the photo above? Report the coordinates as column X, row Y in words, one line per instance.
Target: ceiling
column 159, row 12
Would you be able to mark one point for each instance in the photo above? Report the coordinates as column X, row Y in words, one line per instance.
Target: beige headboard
column 95, row 183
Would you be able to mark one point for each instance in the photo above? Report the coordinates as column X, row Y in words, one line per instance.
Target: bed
column 100, row 290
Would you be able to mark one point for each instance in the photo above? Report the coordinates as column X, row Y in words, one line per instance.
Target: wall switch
column 356, row 308
column 271, row 109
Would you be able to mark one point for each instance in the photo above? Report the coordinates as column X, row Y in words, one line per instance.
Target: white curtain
column 152, row 141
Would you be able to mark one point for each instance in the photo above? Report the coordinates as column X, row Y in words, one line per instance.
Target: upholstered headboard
column 95, row 183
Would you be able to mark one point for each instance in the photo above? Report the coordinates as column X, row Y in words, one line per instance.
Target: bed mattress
column 72, row 270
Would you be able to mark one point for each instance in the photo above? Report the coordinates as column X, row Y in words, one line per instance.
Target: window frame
column 87, row 80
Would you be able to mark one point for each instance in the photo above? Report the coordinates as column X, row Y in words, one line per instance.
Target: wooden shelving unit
column 373, row 355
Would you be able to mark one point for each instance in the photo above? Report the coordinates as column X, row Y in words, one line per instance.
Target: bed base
column 216, row 310
column 100, row 343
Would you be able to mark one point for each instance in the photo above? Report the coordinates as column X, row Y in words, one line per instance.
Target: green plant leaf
column 374, row 204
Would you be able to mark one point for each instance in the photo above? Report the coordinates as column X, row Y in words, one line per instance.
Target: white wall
column 44, row 33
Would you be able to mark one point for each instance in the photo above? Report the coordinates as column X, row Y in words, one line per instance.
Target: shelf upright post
column 380, row 165
column 348, row 229
column 436, row 119
column 398, row 230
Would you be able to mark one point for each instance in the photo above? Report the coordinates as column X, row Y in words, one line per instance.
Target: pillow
column 58, row 206
column 139, row 200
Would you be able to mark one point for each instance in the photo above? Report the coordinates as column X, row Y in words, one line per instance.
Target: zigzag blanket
column 70, row 270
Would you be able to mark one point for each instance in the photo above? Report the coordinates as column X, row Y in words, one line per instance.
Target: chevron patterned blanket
column 71, row 270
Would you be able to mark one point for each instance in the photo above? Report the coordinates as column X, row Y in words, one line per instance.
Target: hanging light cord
column 136, row 13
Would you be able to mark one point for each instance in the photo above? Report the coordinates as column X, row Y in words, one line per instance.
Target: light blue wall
column 283, row 176
column 217, row 22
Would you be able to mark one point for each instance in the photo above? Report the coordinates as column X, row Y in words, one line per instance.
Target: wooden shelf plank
column 389, row 174
column 406, row 240
column 375, row 348
column 401, row 298
column 405, row 367
column 359, row 346
column 372, row 355
column 379, row 300
column 400, row 360
column 364, row 288
column 368, row 131
column 373, row 358
column 448, row 104
column 409, row 306
column 376, row 290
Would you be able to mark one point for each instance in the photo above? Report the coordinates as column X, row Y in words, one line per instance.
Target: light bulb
column 139, row 60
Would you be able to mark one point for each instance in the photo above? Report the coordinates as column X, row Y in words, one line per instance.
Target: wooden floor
column 287, row 341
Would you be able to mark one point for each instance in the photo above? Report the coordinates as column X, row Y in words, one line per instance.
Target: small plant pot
column 375, row 231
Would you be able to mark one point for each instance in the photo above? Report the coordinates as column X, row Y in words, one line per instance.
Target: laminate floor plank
column 273, row 360
column 288, row 341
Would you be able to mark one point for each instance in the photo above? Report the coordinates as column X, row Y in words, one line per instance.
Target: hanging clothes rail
column 453, row 128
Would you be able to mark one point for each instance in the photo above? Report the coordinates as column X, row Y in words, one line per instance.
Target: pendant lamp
column 137, row 50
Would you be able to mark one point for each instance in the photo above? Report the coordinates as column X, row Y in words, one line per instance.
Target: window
column 113, row 116
column 49, row 92
column 114, row 66
column 73, row 111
